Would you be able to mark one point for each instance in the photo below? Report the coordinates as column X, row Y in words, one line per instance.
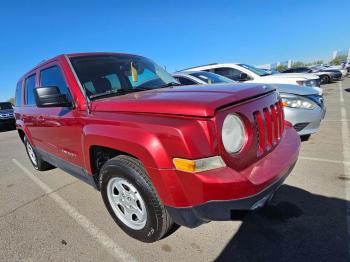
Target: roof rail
column 197, row 66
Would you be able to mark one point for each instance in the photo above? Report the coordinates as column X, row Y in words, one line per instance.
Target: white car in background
column 304, row 108
column 248, row 73
column 343, row 71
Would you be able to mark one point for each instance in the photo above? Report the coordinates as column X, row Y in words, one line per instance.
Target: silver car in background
column 303, row 107
column 200, row 78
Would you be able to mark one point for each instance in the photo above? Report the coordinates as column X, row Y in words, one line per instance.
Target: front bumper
column 305, row 121
column 223, row 210
column 9, row 122
column 216, row 194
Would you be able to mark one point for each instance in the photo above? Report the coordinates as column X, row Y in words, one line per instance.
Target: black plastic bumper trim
column 223, row 210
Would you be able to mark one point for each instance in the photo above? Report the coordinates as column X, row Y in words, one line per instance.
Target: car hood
column 292, row 75
column 295, row 90
column 194, row 100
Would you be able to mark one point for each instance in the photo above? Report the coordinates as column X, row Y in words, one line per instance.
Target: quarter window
column 29, row 87
column 18, row 99
column 52, row 76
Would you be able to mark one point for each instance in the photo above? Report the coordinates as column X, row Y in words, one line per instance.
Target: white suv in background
column 248, row 73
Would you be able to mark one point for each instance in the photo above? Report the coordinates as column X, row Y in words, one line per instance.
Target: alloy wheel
column 127, row 203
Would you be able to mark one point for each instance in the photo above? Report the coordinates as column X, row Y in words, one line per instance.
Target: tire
column 126, row 189
column 325, row 79
column 304, row 138
column 34, row 158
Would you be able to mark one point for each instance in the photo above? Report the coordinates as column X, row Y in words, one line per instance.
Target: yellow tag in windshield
column 209, row 81
column 134, row 74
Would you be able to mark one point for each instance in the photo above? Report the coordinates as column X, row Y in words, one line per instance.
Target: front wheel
column 132, row 200
column 304, row 138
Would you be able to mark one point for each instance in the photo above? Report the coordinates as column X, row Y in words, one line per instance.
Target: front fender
column 154, row 140
column 143, row 145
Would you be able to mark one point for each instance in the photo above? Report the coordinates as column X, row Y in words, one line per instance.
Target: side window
column 29, row 87
column 185, row 81
column 52, row 76
column 231, row 73
column 18, row 95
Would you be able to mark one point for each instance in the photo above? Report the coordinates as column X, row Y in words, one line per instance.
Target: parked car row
column 249, row 73
column 326, row 73
column 303, row 104
column 325, row 76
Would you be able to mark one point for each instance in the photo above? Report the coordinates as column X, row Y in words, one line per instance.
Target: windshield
column 211, row 78
column 5, row 106
column 119, row 74
column 259, row 72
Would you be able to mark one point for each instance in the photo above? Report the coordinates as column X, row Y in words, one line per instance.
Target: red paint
column 157, row 125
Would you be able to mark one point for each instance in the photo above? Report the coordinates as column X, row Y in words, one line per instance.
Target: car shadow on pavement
column 3, row 130
column 297, row 226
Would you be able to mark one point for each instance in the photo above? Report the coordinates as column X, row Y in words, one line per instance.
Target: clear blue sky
column 175, row 34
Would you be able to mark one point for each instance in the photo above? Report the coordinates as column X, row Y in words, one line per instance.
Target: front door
column 59, row 128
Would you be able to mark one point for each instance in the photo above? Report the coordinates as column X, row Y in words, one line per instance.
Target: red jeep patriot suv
column 161, row 154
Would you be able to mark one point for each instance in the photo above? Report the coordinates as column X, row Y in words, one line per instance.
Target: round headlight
column 233, row 133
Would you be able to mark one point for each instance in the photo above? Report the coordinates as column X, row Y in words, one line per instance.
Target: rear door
column 29, row 110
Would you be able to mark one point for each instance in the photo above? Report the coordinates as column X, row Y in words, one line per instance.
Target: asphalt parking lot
column 51, row 216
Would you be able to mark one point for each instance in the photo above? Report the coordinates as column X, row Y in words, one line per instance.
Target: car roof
column 97, row 54
column 214, row 65
column 198, row 66
column 187, row 72
column 58, row 57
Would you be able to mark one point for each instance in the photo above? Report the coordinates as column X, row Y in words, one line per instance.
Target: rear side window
column 18, row 99
column 52, row 76
column 30, row 85
column 231, row 73
column 185, row 81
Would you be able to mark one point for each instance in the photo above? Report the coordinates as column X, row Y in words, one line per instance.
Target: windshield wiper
column 122, row 91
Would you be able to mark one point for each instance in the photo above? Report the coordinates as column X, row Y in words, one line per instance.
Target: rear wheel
column 34, row 158
column 132, row 200
column 325, row 79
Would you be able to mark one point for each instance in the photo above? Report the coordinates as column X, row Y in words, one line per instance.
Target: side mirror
column 243, row 77
column 50, row 96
